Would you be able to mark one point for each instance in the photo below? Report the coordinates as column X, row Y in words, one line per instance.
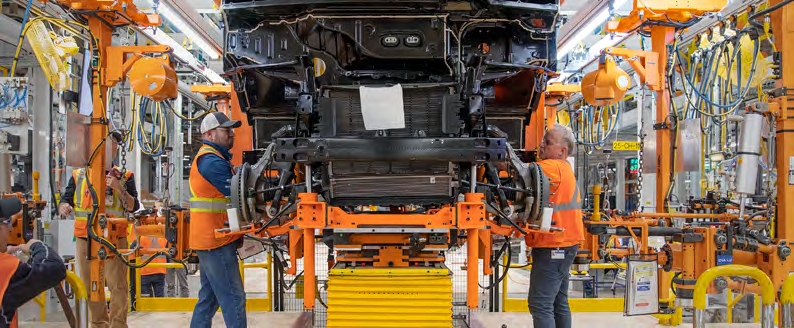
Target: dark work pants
column 548, row 288
column 153, row 285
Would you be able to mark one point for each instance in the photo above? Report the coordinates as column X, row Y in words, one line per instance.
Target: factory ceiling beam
column 187, row 11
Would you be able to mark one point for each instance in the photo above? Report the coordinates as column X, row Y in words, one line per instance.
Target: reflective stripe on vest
column 565, row 202
column 153, row 243
column 83, row 203
column 573, row 204
column 81, row 187
column 8, row 266
column 206, row 204
column 207, row 207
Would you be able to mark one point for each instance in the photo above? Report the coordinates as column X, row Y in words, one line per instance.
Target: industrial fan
column 51, row 50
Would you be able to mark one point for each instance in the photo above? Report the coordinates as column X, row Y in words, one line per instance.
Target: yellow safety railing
column 705, row 279
column 186, row 304
column 786, row 298
column 80, row 298
column 606, row 304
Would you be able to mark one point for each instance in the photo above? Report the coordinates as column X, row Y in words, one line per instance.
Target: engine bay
column 391, row 106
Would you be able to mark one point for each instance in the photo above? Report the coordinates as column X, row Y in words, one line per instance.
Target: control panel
column 14, row 115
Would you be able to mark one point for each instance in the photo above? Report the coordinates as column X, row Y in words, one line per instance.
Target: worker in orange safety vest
column 21, row 281
column 152, row 279
column 219, row 269
column 553, row 253
column 121, row 198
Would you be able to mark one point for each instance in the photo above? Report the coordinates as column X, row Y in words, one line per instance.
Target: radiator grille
column 422, row 113
column 371, row 187
column 346, row 168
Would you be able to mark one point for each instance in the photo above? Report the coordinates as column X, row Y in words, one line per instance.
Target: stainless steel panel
column 688, row 152
column 748, row 153
column 649, row 147
column 78, row 147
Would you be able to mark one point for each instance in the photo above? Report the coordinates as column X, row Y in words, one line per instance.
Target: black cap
column 9, row 207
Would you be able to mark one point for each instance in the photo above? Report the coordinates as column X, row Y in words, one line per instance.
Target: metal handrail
column 706, row 278
column 80, row 298
column 786, row 298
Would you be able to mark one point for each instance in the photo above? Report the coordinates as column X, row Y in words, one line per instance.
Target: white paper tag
column 234, row 222
column 382, row 107
column 250, row 248
column 545, row 223
column 557, row 254
column 656, row 241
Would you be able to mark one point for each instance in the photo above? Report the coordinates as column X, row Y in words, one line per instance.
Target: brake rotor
column 539, row 184
column 246, row 185
column 239, row 194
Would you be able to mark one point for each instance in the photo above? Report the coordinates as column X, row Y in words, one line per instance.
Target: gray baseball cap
column 217, row 120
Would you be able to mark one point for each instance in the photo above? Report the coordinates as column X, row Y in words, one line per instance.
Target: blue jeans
column 153, row 285
column 221, row 286
column 548, row 288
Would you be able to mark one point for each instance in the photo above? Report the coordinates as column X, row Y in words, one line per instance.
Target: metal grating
column 390, row 297
column 392, row 186
column 407, row 167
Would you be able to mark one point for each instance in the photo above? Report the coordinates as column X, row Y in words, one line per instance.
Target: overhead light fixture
column 608, row 41
column 180, row 24
column 161, row 37
column 595, row 22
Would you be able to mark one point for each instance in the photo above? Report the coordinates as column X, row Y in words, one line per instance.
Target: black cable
column 672, row 285
column 506, row 247
column 54, row 207
column 768, row 10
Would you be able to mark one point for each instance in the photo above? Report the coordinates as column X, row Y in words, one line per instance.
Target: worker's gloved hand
column 113, row 183
column 24, row 248
column 65, row 209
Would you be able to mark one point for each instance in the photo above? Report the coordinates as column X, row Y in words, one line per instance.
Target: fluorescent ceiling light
column 172, row 17
column 588, row 29
column 607, row 41
column 583, row 33
column 161, row 37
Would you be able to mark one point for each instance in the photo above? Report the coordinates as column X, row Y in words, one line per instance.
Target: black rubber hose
column 752, row 17
column 54, row 202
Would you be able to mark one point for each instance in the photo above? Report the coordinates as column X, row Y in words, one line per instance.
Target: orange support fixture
column 534, row 131
column 229, row 104
column 102, row 17
column 783, row 30
column 311, row 215
column 471, row 216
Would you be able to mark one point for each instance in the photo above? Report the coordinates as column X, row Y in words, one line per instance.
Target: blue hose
column 22, row 27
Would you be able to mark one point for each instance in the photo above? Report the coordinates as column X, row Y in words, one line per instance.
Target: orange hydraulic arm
column 151, row 76
column 546, row 113
column 227, row 103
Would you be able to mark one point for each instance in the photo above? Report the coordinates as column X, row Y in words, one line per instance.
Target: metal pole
column 5, row 172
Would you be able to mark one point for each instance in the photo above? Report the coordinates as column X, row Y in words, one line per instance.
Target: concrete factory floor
column 286, row 320
column 256, row 285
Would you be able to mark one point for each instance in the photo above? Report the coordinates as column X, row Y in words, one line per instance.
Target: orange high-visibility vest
column 8, row 265
column 152, row 243
column 207, row 208
column 566, row 201
column 83, row 202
